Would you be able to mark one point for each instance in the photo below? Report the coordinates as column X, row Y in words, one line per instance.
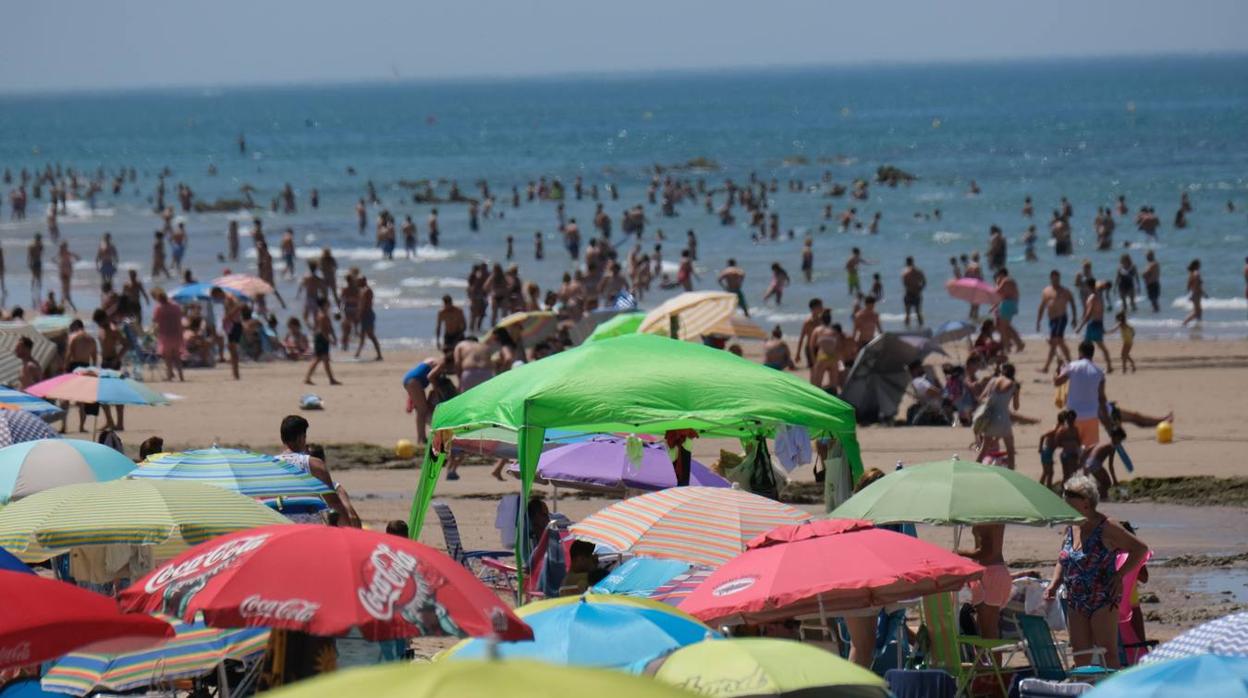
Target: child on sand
column 1062, row 439
column 295, row 342
column 1128, row 339
column 1098, row 461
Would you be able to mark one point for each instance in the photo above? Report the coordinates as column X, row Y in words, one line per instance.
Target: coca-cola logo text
column 15, row 655
column 290, row 610
column 392, row 572
column 205, row 564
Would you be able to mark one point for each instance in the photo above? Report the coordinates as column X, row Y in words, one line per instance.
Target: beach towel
column 792, row 445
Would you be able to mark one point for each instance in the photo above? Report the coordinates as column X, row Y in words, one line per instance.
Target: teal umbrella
column 1198, row 676
column 245, row 472
column 35, row 466
column 622, row 324
column 956, row 492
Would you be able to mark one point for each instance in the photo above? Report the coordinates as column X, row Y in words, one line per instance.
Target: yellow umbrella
column 739, row 327
column 534, row 325
column 697, row 311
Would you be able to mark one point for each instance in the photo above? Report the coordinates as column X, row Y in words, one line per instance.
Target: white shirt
column 1083, row 392
column 923, row 388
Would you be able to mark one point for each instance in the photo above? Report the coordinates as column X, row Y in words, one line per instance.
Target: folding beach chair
column 965, row 657
column 1046, row 655
column 486, row 565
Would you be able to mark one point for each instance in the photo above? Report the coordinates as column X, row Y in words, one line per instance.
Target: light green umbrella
column 618, row 326
column 642, row 384
column 956, row 492
column 166, row 514
column 765, row 667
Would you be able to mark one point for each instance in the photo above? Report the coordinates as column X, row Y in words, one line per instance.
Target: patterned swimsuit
column 1088, row 572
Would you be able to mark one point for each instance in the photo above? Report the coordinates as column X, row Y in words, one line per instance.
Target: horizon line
column 623, row 74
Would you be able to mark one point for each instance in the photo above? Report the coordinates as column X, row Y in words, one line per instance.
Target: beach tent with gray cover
column 877, row 382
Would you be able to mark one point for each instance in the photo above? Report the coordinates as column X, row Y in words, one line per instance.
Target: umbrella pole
column 957, row 536
column 95, row 424
column 554, row 498
column 223, row 681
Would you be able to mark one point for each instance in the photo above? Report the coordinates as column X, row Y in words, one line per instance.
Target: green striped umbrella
column 245, row 472
column 135, row 512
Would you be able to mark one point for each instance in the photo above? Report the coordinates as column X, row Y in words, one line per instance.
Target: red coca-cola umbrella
column 325, row 581
column 825, row 566
column 42, row 619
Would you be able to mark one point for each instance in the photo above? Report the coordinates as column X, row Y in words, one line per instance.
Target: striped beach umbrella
column 246, row 284
column 697, row 311
column 97, row 385
column 704, row 525
column 532, row 326
column 35, row 466
column 17, row 426
column 43, row 351
column 13, row 399
column 135, row 512
column 1227, row 635
column 681, row 586
column 194, row 651
column 245, row 472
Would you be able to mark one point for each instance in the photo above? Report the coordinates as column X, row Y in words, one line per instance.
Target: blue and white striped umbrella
column 1197, row 676
column 1226, row 636
column 29, row 403
column 17, row 426
column 244, row 472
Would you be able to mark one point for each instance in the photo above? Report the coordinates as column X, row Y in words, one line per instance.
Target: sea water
column 1149, row 129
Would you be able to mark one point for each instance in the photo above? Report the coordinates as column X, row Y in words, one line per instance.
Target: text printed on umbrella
column 287, row 610
column 734, row 586
column 15, row 655
column 392, row 572
column 205, row 565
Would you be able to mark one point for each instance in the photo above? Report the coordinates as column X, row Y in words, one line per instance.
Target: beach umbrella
column 622, row 324
column 325, row 581
column 602, row 464
column 877, row 382
column 18, row 427
column 35, row 466
column 43, row 351
column 9, row 563
column 514, row 679
column 131, row 512
column 42, row 619
column 593, row 630
column 97, row 385
column 13, row 399
column 973, row 291
column 246, row 284
column 705, row 525
column 25, row 688
column 760, row 666
column 531, row 326
column 678, row 588
column 1197, row 676
column 953, row 330
column 826, row 566
column 641, row 576
column 194, row 651
column 738, row 327
column 1227, row 636
column 200, row 291
column 696, row 311
column 52, row 326
column 957, row 492
column 245, row 472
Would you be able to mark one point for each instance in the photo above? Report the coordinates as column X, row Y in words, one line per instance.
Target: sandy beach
column 1198, row 546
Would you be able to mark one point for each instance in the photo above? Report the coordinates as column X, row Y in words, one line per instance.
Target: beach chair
column 1046, row 655
column 1039, row 688
column 965, row 657
column 141, row 361
column 486, row 565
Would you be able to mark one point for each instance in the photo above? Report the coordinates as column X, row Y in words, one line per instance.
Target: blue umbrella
column 9, row 563
column 27, row 688
column 17, row 426
column 594, row 630
column 1198, row 676
column 35, row 466
column 200, row 291
column 29, row 403
column 1227, row 636
column 640, row 576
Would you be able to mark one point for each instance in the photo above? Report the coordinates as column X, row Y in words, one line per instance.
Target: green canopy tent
column 641, row 384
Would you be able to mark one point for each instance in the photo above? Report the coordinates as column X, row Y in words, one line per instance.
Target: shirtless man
column 1195, row 292
column 806, row 340
column 287, row 248
column 572, row 239
column 776, row 352
column 1007, row 309
column 732, row 279
column 478, row 297
column 80, row 352
column 329, row 275
column 450, row 326
column 866, row 323
column 1054, row 300
column 31, row 372
column 158, row 256
column 913, row 280
column 996, row 248
column 1094, row 321
column 808, row 258
column 322, row 340
column 65, row 268
column 431, row 226
column 106, row 259
column 474, row 363
column 613, row 284
column 311, row 290
column 1152, row 280
column 133, row 295
column 972, row 270
column 113, row 346
column 231, row 240
column 368, row 320
column 34, row 262
column 852, row 268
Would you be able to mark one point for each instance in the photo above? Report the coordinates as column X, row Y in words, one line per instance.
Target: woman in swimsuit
column 415, row 382
column 1085, row 565
column 231, row 324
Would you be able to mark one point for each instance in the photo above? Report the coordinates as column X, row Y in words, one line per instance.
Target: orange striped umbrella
column 697, row 311
column 703, row 525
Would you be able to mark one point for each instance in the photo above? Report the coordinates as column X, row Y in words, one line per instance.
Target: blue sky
column 70, row 44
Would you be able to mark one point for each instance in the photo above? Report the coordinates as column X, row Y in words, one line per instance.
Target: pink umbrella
column 973, row 291
column 822, row 567
column 251, row 286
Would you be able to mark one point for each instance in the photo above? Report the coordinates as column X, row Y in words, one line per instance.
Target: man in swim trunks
column 1094, row 320
column 806, row 340
column 474, row 363
column 732, row 279
column 851, row 271
column 1055, row 299
column 322, row 339
column 1007, row 309
column 368, row 319
column 451, row 324
column 913, row 280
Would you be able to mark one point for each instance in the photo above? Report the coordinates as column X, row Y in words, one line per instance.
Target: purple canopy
column 602, row 464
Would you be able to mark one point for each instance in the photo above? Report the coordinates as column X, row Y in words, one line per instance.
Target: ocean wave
column 944, row 237
column 1185, row 303
column 78, row 211
column 433, row 282
column 785, row 317
column 407, row 303
column 362, row 254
